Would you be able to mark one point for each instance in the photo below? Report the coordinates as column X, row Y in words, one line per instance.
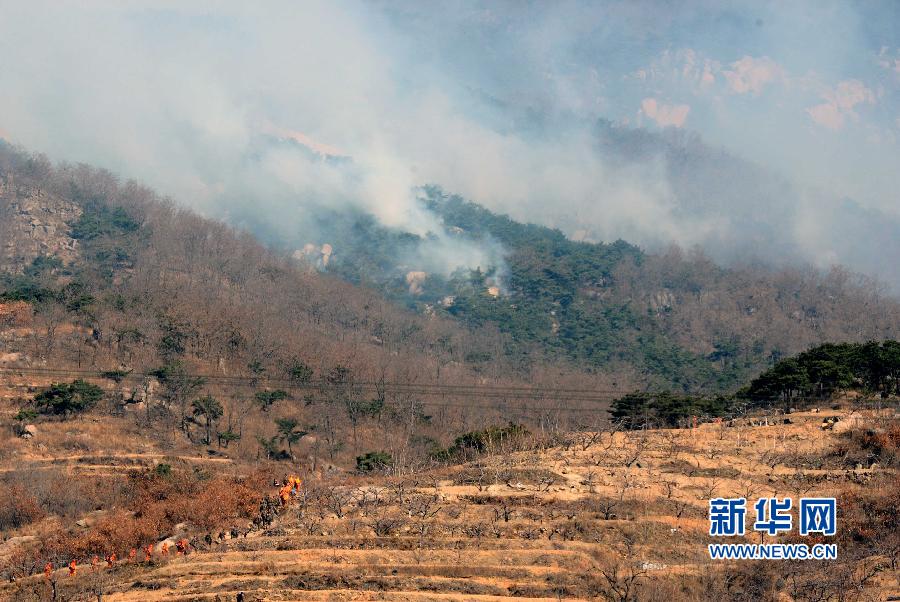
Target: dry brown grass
column 621, row 516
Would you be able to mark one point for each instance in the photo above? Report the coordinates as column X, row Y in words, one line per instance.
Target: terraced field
column 599, row 516
column 371, row 569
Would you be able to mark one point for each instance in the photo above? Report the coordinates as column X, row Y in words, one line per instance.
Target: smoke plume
column 751, row 129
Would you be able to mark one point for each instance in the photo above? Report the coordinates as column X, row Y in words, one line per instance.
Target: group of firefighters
column 290, row 489
column 181, row 548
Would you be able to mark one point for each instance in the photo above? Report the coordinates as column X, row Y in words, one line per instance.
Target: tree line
column 818, row 374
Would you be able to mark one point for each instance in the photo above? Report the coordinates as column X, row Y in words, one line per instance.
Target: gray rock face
column 662, row 301
column 33, row 223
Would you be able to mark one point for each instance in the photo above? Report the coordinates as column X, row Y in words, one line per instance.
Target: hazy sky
column 493, row 100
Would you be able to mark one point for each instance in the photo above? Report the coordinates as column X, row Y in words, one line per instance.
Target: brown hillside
column 599, row 516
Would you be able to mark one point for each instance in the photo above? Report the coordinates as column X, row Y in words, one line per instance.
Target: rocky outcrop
column 662, row 302
column 415, row 280
column 33, row 223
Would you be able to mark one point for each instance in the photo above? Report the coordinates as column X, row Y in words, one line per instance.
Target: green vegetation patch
column 62, row 399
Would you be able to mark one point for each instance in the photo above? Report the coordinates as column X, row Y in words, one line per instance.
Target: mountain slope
column 544, row 303
column 677, row 318
column 150, row 295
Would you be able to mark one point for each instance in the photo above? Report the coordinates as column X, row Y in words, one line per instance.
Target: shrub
column 99, row 220
column 490, row 437
column 24, row 288
column 226, row 437
column 867, row 446
column 63, row 399
column 494, row 437
column 373, row 461
column 26, row 415
column 267, row 399
column 42, row 264
column 159, row 503
column 642, row 409
column 56, row 493
column 299, row 372
column 115, row 375
column 18, row 507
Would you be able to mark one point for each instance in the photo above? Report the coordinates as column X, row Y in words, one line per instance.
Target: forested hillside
column 676, row 318
column 122, row 261
column 102, row 279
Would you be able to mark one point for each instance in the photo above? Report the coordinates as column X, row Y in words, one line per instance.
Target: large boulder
column 170, row 545
column 851, row 422
column 91, row 518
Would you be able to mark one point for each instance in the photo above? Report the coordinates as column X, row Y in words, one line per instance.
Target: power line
column 207, row 376
column 323, row 387
column 393, row 387
column 464, row 391
column 511, row 407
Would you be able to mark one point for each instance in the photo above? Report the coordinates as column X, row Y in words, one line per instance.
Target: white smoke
column 261, row 112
